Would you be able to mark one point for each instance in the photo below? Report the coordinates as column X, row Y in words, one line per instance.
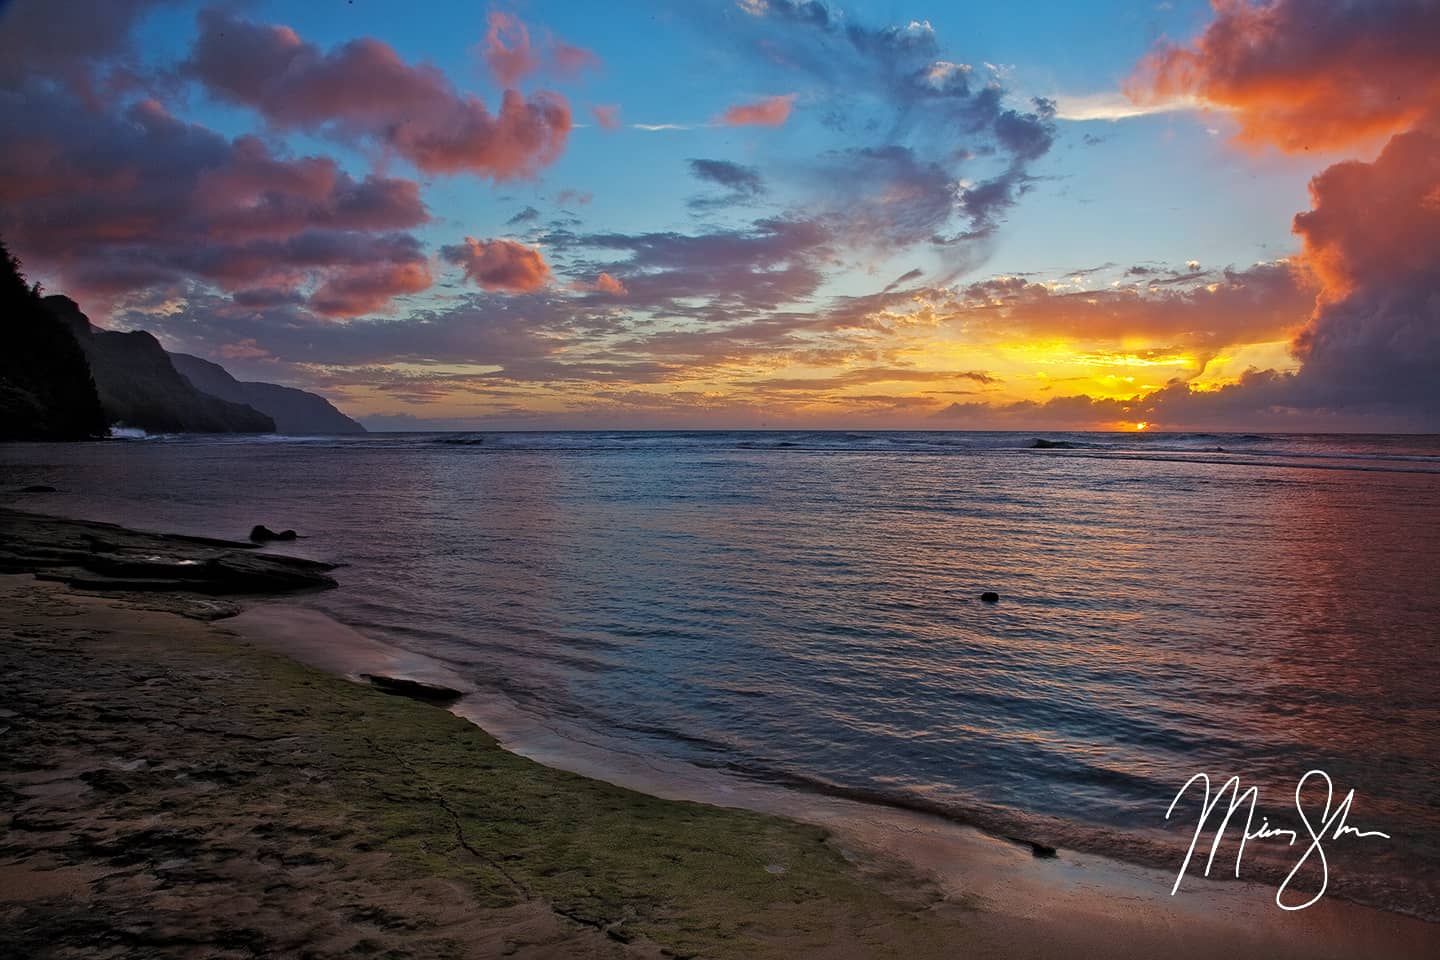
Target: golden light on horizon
column 1142, row 426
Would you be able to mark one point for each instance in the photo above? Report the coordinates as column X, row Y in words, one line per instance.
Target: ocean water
column 803, row 608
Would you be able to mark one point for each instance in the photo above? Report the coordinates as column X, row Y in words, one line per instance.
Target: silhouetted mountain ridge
column 62, row 378
column 140, row 387
column 294, row 411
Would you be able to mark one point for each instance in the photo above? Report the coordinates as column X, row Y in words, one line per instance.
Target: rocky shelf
column 107, row 557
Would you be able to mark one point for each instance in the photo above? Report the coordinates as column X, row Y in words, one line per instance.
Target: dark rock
column 263, row 534
column 99, row 556
column 39, row 488
column 1038, row 850
column 415, row 689
column 46, row 391
column 1040, row 444
column 990, row 596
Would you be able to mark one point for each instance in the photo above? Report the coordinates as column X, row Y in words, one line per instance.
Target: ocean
column 803, row 608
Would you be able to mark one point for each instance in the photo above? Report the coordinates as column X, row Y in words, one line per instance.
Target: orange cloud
column 770, row 112
column 1371, row 222
column 500, row 264
column 1301, row 75
column 605, row 283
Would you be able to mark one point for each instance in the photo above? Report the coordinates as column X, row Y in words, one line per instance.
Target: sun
column 1142, row 425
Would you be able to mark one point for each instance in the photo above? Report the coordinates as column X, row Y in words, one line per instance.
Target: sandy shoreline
column 187, row 789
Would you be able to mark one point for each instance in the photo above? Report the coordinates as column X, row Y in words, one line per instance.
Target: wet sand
column 180, row 788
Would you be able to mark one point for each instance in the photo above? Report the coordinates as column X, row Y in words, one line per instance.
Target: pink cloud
column 770, row 112
column 362, row 90
column 117, row 203
column 607, row 115
column 360, row 290
column 507, row 50
column 500, row 264
column 570, row 59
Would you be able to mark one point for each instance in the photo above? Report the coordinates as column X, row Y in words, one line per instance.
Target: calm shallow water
column 803, row 607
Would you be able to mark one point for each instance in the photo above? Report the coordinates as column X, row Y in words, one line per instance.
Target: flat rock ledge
column 107, row 557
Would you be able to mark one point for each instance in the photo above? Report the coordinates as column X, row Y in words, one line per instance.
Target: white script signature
column 1330, row 826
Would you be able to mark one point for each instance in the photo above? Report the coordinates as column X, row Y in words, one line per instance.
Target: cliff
column 295, row 412
column 46, row 392
column 139, row 386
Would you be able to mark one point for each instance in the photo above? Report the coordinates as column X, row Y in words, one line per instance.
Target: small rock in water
column 39, row 488
column 263, row 534
column 990, row 596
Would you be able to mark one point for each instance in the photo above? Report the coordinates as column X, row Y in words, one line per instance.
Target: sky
column 1121, row 214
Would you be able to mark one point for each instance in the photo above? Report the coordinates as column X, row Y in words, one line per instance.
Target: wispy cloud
column 1117, row 106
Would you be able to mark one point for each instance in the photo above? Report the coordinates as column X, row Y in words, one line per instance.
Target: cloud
column 362, row 90
column 607, row 115
column 1298, row 75
column 1119, row 106
column 86, row 48
column 511, row 58
column 500, row 264
column 949, row 152
column 366, row 289
column 1373, row 237
column 769, row 112
column 742, row 184
column 732, row 176
column 528, row 215
column 897, row 198
column 570, row 197
column 866, row 376
column 569, row 60
column 755, row 267
column 605, row 283
column 506, row 49
column 1209, row 311
column 115, row 202
column 1303, row 75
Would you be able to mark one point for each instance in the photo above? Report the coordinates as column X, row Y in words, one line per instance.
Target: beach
column 176, row 788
